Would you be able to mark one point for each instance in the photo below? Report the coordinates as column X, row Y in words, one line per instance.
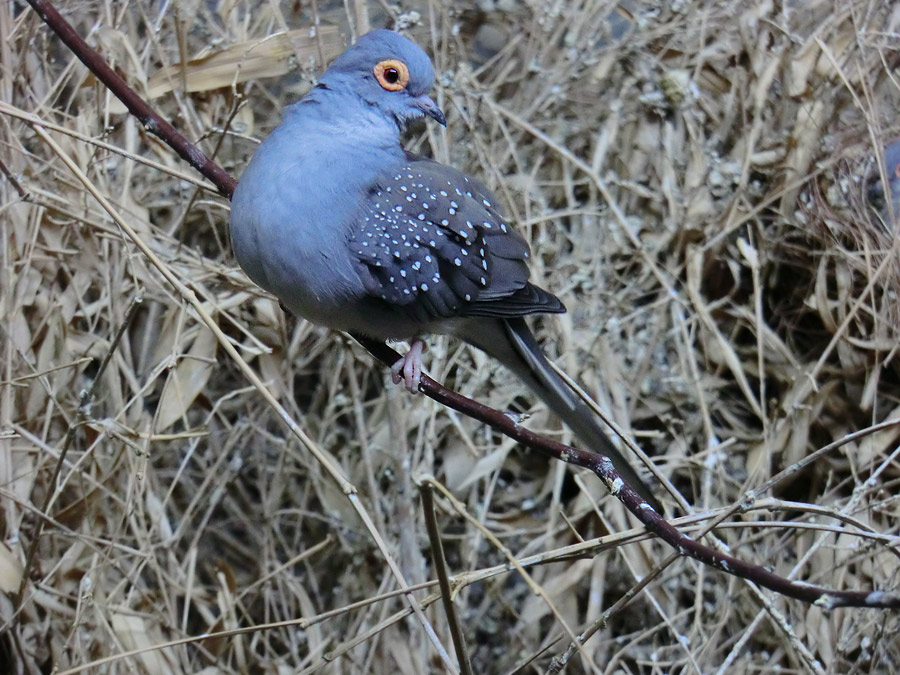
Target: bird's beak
column 430, row 108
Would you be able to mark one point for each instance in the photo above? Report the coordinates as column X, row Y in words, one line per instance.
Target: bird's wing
column 432, row 242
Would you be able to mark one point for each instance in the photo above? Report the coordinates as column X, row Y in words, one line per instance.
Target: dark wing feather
column 431, row 242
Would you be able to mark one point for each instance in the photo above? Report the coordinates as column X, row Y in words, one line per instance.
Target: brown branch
column 603, row 468
column 137, row 106
column 599, row 464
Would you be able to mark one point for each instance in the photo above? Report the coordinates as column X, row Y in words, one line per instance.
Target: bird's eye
column 392, row 74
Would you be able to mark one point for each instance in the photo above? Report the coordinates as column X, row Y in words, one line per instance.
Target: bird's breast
column 292, row 216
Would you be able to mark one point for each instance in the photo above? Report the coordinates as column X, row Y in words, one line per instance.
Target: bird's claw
column 409, row 369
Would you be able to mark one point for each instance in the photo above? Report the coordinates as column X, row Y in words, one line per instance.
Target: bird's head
column 388, row 72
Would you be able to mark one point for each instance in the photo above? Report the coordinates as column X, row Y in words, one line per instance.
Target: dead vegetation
column 693, row 181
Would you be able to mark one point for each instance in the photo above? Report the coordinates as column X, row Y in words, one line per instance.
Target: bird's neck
column 347, row 120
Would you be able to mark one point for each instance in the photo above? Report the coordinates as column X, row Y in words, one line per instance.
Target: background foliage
column 694, row 181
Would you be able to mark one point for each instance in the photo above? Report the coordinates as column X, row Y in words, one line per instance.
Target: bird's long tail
column 511, row 342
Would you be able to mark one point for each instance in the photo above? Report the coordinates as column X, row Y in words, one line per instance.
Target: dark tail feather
column 511, row 342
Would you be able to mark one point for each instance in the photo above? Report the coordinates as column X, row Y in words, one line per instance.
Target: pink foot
column 410, row 366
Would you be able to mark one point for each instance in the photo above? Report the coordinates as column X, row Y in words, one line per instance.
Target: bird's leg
column 410, row 366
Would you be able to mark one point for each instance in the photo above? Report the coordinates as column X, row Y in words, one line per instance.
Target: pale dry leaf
column 820, row 300
column 134, row 633
column 402, row 656
column 158, row 516
column 458, row 462
column 10, row 570
column 259, row 58
column 485, row 466
column 50, row 354
column 188, row 379
column 800, row 68
column 335, row 506
column 830, row 66
column 875, row 447
column 271, row 366
column 806, row 136
column 760, row 455
column 556, row 587
column 802, row 418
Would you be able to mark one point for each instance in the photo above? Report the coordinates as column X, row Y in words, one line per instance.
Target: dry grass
column 693, row 189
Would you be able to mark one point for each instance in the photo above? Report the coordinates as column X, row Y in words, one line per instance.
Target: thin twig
column 440, row 569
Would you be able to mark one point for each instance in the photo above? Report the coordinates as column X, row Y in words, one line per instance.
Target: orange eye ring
column 392, row 74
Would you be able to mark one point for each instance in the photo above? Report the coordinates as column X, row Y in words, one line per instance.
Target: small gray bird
column 352, row 232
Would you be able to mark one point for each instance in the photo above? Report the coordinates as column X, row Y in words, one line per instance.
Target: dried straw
column 693, row 180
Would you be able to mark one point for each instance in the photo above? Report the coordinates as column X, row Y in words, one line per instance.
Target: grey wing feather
column 430, row 242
